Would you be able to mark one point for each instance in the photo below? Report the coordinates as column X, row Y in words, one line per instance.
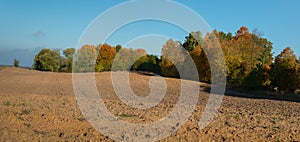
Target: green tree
column 192, row 40
column 223, row 36
column 284, row 74
column 148, row 63
column 69, row 53
column 118, row 48
column 68, row 60
column 47, row 60
column 259, row 78
column 16, row 63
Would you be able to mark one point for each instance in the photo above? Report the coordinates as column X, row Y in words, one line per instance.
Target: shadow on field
column 146, row 73
column 265, row 95
column 244, row 93
column 258, row 95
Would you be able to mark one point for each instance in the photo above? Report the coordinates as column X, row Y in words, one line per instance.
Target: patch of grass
column 237, row 117
column 81, row 119
column 1, row 68
column 26, row 111
column 23, row 104
column 126, row 115
column 258, row 119
column 7, row 103
column 39, row 132
column 28, row 125
column 21, row 118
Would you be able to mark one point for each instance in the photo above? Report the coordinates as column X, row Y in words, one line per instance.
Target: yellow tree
column 85, row 59
column 172, row 59
column 285, row 71
column 105, row 58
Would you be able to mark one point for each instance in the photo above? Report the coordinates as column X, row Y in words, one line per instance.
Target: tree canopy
column 248, row 57
column 16, row 63
column 285, row 71
column 47, row 60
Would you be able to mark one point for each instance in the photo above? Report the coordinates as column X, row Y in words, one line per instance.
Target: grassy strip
column 126, row 115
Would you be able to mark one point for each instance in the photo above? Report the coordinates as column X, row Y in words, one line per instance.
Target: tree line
column 248, row 60
column 90, row 58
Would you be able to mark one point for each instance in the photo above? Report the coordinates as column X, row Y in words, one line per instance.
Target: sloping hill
column 41, row 106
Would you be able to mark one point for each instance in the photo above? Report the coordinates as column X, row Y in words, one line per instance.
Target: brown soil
column 41, row 106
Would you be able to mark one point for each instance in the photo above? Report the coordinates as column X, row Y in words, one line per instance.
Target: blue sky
column 27, row 26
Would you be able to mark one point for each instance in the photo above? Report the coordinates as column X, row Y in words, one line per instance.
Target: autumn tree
column 298, row 73
column 85, row 58
column 126, row 59
column 105, row 58
column 240, row 56
column 245, row 54
column 259, row 78
column 194, row 43
column 172, row 59
column 285, row 71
